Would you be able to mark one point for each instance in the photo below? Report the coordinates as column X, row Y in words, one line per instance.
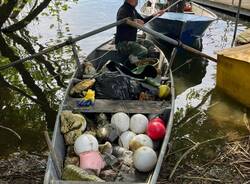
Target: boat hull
column 188, row 27
column 99, row 56
column 187, row 32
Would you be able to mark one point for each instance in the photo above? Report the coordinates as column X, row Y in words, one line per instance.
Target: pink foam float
column 92, row 160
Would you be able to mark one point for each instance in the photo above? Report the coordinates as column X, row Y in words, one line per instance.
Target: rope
column 108, row 51
column 177, row 68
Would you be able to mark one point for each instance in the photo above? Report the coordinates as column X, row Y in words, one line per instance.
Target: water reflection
column 34, row 90
column 203, row 113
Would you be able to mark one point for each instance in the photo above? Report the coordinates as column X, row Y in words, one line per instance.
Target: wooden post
column 236, row 22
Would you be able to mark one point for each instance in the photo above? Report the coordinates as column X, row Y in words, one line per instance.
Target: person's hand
column 139, row 21
column 161, row 12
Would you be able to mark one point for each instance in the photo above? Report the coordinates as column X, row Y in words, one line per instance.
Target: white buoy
column 125, row 138
column 85, row 142
column 121, row 120
column 138, row 123
column 144, row 159
column 139, row 141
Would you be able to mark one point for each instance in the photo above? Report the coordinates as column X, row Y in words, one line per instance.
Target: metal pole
column 169, row 40
column 68, row 42
column 236, row 22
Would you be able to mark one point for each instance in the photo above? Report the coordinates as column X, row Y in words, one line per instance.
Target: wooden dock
column 233, row 73
column 228, row 6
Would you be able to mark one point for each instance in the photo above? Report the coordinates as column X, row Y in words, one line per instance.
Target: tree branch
column 16, row 12
column 6, row 9
column 40, row 59
column 8, row 85
column 24, row 22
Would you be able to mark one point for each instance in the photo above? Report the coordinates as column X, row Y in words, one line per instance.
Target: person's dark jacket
column 125, row 32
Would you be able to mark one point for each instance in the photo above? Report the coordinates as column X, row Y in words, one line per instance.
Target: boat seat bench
column 113, row 106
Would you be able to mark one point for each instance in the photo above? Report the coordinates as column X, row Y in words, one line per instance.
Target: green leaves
column 4, row 60
column 65, row 7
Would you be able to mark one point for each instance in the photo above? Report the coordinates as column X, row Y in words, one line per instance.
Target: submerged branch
column 14, row 132
column 200, row 178
column 193, row 112
column 189, row 150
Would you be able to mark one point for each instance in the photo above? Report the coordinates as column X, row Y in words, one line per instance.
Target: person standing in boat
column 125, row 38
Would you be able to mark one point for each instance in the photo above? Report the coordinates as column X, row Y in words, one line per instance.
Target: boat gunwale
column 213, row 15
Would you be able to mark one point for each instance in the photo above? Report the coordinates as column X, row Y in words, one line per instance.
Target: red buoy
column 156, row 129
column 158, row 120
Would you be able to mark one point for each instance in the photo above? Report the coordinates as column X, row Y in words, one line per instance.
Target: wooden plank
column 241, row 53
column 112, row 106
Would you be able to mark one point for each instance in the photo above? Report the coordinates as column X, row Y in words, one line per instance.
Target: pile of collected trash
column 120, row 83
column 110, row 147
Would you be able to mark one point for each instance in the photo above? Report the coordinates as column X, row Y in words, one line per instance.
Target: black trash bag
column 139, row 72
column 113, row 85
